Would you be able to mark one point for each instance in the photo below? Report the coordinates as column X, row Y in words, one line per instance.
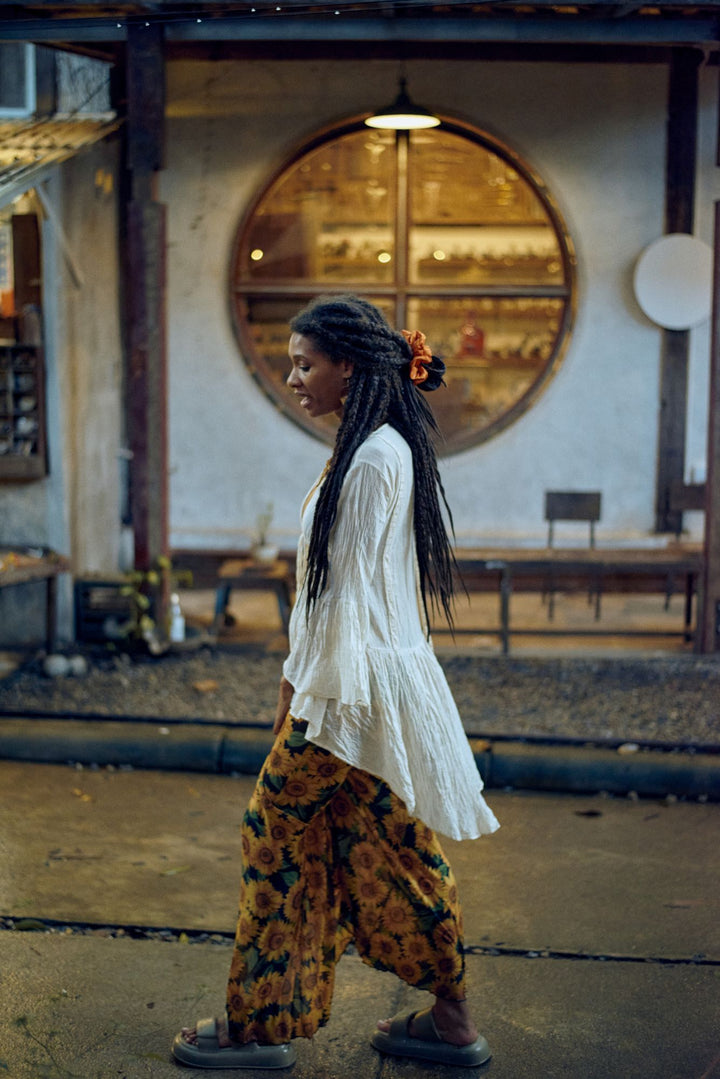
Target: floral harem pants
column 331, row 855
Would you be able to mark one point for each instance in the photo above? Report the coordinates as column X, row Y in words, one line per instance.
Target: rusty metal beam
column 145, row 66
column 709, row 613
column 679, row 214
column 147, row 380
column 145, row 298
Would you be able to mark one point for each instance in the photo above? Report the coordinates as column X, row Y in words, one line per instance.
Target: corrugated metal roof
column 29, row 148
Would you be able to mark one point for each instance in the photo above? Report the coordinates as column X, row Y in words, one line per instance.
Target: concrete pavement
column 591, row 925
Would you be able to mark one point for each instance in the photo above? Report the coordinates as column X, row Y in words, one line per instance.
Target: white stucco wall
column 595, row 133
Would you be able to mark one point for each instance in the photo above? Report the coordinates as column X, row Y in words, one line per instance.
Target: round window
column 445, row 229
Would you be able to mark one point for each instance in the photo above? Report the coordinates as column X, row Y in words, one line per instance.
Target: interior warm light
column 403, row 114
column 384, row 257
column 256, row 254
column 439, row 255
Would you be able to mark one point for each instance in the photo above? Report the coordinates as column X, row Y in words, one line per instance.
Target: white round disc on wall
column 673, row 281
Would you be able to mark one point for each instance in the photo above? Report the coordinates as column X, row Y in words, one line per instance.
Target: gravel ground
column 668, row 699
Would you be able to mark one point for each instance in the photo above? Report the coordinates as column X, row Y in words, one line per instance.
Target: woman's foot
column 207, row 1045
column 190, row 1035
column 452, row 1020
column 443, row 1034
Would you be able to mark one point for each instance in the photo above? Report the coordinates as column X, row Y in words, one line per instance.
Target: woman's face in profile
column 319, row 384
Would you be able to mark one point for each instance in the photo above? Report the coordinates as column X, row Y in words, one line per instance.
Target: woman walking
column 370, row 757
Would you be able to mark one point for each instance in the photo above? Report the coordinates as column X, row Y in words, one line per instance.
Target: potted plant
column 144, row 591
column 262, row 550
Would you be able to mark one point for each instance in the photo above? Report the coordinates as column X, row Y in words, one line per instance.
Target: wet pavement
column 592, row 929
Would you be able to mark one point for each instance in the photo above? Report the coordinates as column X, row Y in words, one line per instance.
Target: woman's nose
column 292, row 379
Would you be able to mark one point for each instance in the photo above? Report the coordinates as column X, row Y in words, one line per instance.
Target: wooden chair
column 572, row 506
column 683, row 497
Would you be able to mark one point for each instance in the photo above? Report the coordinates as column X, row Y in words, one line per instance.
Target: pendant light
column 403, row 114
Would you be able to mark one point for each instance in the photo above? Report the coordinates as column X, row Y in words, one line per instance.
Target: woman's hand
column 283, row 705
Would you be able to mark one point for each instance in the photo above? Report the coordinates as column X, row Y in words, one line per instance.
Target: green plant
column 147, row 592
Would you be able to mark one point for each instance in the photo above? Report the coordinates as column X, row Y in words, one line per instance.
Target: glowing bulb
column 384, row 257
column 256, row 254
column 403, row 114
column 439, row 255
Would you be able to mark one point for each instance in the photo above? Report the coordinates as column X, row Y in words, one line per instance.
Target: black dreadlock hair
column 348, row 328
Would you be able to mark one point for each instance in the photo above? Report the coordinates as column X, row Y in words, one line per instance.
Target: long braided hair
column 348, row 328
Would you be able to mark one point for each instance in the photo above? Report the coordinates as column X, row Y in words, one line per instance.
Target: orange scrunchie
column 422, row 355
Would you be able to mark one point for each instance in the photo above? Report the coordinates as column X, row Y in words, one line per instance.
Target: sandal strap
column 399, row 1024
column 207, row 1029
column 424, row 1024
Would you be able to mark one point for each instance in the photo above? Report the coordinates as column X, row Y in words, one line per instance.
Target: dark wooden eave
column 382, row 24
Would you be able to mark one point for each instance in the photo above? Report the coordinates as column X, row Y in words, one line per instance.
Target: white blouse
column 365, row 676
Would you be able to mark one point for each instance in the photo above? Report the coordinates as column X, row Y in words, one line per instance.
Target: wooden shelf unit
column 23, row 451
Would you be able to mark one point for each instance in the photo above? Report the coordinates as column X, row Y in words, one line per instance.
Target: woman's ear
column 348, row 368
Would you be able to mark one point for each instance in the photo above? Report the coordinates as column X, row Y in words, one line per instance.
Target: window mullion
column 402, row 227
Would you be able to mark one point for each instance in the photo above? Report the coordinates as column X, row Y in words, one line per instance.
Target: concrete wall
column 75, row 509
column 595, row 133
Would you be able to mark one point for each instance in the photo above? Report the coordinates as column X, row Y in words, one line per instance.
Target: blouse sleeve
column 328, row 649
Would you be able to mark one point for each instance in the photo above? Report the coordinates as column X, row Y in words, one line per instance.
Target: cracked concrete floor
column 591, row 924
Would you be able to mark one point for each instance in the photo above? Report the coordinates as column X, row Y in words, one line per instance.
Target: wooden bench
column 505, row 570
column 246, row 574
column 620, row 570
column 24, row 567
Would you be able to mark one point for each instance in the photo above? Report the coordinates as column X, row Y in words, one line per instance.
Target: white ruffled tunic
column 365, row 676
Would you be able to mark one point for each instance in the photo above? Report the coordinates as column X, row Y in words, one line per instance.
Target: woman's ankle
column 453, row 1021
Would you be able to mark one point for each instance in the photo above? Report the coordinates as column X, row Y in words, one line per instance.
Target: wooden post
column 709, row 607
column 146, row 387
column 147, row 381
column 679, row 213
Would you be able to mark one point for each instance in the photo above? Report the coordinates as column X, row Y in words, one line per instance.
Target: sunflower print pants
column 330, row 856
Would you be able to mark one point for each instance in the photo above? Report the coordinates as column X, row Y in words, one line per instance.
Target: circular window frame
column 399, row 293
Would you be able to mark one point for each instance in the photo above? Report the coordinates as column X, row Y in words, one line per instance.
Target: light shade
column 403, row 114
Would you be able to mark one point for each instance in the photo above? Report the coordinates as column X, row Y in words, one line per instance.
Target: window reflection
column 474, row 219
column 330, row 217
column 495, row 350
